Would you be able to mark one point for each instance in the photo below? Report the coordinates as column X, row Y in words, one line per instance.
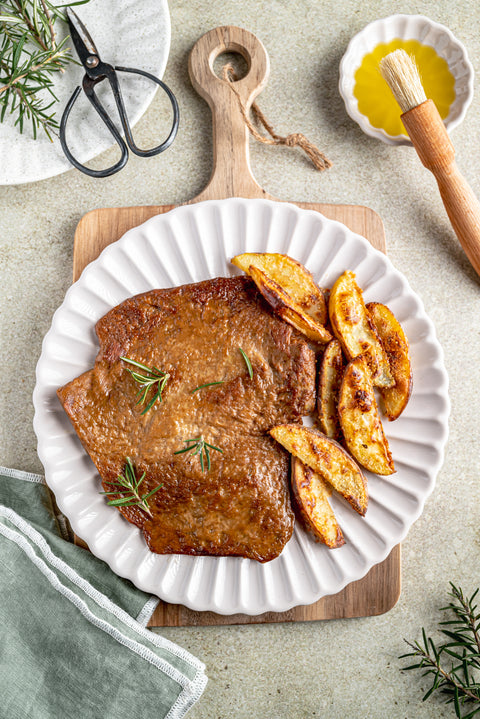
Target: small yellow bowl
column 407, row 27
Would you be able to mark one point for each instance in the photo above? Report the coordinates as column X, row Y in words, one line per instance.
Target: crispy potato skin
column 292, row 276
column 352, row 325
column 327, row 458
column 395, row 343
column 330, row 375
column 360, row 421
column 286, row 308
column 311, row 493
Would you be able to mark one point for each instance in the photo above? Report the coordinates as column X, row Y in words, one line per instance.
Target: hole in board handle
column 236, row 59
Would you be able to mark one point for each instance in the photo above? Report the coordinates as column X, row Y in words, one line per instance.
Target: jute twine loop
column 295, row 139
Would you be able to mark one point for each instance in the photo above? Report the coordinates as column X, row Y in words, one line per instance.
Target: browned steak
column 241, row 505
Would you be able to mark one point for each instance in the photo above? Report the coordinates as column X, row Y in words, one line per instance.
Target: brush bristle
column 400, row 72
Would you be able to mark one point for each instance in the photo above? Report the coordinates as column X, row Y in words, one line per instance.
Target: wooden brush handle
column 434, row 147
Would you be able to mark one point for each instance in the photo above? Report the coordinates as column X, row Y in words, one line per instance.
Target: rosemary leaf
column 213, row 447
column 198, row 446
column 128, row 481
column 181, row 451
column 152, row 402
column 207, row 384
column 30, row 57
column 147, row 379
column 247, row 362
column 147, row 496
column 124, row 502
column 458, row 679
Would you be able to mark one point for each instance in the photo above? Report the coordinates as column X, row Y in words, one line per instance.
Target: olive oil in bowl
column 374, row 97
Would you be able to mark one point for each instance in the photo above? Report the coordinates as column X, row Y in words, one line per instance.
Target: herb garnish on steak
column 241, row 506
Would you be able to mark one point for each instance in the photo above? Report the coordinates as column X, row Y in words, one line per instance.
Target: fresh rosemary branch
column 150, row 377
column 128, row 485
column 247, row 362
column 460, row 680
column 199, row 446
column 208, row 384
column 29, row 59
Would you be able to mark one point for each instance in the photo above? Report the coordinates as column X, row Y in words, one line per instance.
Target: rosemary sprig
column 207, row 384
column 128, row 485
column 460, row 680
column 247, row 362
column 147, row 379
column 30, row 56
column 199, row 446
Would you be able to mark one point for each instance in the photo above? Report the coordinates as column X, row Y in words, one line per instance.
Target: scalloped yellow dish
column 374, row 97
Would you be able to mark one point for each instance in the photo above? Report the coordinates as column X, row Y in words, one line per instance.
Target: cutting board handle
column 232, row 175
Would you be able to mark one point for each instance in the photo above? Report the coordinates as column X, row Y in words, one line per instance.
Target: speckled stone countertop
column 343, row 668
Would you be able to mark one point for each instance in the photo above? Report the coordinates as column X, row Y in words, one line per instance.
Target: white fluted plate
column 194, row 243
column 140, row 39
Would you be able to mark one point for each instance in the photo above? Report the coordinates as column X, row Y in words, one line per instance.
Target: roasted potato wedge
column 352, row 325
column 392, row 336
column 327, row 458
column 292, row 277
column 286, row 308
column 360, row 421
column 311, row 494
column 330, row 375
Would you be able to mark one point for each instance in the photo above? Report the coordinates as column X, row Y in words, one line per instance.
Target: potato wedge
column 352, row 325
column 392, row 336
column 330, row 375
column 359, row 419
column 287, row 309
column 292, row 277
column 327, row 458
column 311, row 494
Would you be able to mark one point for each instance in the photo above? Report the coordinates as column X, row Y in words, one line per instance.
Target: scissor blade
column 81, row 38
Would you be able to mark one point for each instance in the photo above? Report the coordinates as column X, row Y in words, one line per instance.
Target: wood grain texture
column 435, row 149
column 231, row 175
column 379, row 590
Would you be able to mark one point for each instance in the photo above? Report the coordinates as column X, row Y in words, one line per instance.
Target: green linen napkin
column 73, row 642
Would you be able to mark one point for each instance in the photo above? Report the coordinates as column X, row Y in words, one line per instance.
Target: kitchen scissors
column 95, row 72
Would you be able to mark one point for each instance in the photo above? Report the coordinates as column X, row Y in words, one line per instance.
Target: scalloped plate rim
column 183, row 212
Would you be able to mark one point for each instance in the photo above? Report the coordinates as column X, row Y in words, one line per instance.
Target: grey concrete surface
column 339, row 669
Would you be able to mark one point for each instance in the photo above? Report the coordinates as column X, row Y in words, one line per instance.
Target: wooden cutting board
column 379, row 590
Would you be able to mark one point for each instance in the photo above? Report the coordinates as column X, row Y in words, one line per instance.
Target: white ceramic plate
column 141, row 39
column 194, row 243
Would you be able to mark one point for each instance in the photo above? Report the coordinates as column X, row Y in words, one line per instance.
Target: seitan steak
column 240, row 506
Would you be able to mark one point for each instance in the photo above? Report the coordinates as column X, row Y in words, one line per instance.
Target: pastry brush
column 427, row 132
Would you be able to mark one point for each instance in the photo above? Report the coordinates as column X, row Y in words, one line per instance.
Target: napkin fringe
column 192, row 688
column 60, row 518
column 147, row 611
column 150, row 606
column 25, row 476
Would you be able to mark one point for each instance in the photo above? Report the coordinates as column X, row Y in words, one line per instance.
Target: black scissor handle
column 108, row 72
column 88, row 87
column 124, row 119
